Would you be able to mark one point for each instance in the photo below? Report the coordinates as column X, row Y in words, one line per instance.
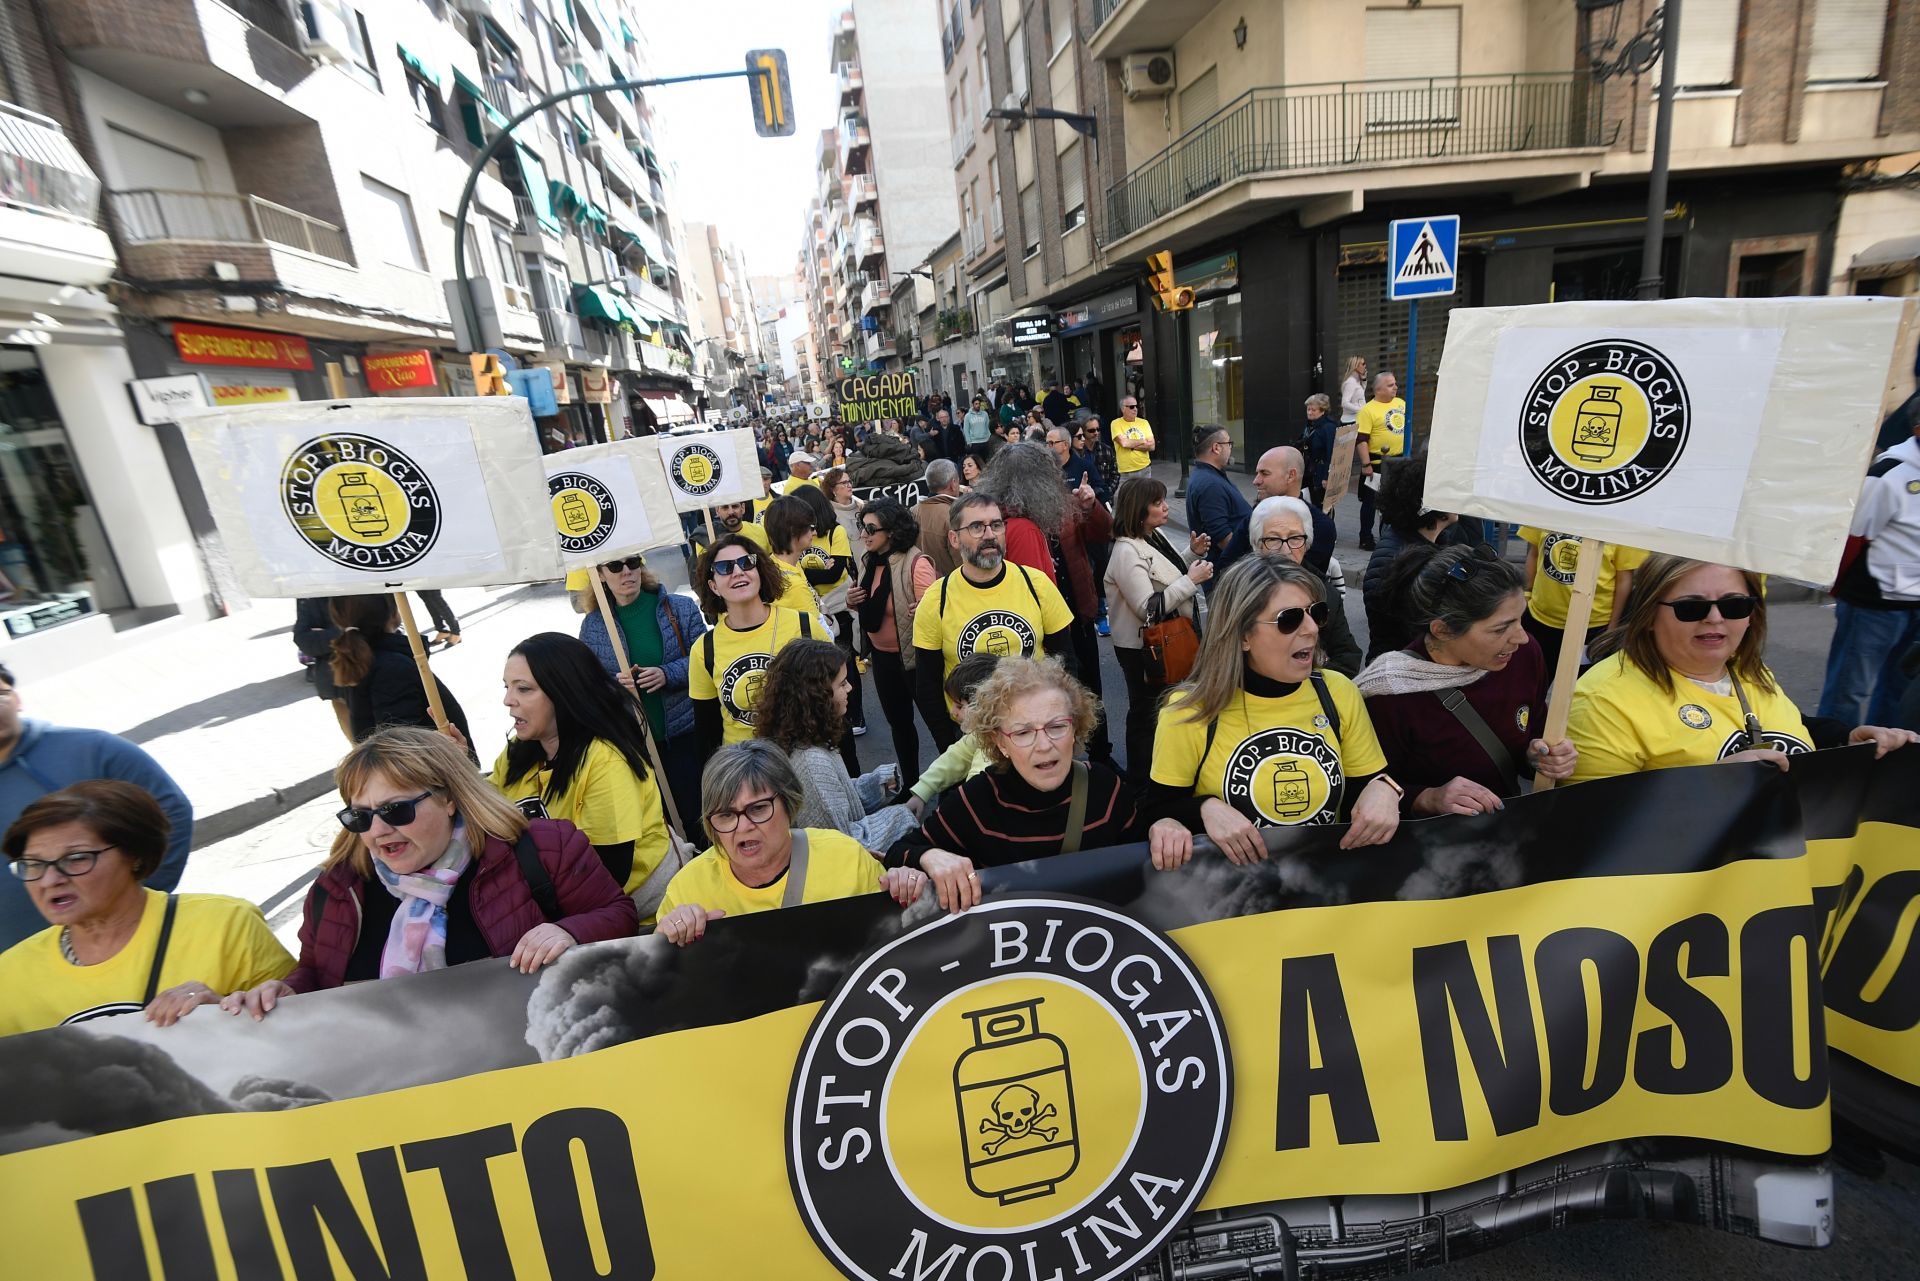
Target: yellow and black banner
column 1611, row 1000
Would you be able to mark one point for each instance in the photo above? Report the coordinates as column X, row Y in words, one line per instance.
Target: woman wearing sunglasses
column 1029, row 717
column 1684, row 681
column 759, row 860
column 738, row 587
column 896, row 577
column 1258, row 737
column 112, row 945
column 434, row 868
column 659, row 629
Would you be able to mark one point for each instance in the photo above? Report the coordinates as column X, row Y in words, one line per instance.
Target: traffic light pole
column 504, row 136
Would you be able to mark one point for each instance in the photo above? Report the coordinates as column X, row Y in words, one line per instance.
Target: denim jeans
column 1864, row 682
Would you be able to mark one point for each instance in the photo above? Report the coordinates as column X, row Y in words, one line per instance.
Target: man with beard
column 729, row 518
column 984, row 607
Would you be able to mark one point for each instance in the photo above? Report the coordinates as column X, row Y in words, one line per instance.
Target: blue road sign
column 1423, row 255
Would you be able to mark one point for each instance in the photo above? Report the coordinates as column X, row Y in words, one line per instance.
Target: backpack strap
column 795, row 892
column 673, row 621
column 160, row 949
column 1326, row 705
column 943, row 596
column 706, row 649
column 1455, row 701
column 534, row 873
column 806, row 621
column 1027, row 578
column 1213, row 727
column 1076, row 809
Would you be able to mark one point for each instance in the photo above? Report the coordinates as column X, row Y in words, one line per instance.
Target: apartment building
column 1267, row 145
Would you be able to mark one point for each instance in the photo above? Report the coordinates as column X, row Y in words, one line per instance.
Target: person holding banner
column 1459, row 710
column 738, row 588
column 1684, row 681
column 1257, row 737
column 1551, row 560
column 434, row 868
column 375, row 667
column 888, row 595
column 112, row 944
column 759, row 861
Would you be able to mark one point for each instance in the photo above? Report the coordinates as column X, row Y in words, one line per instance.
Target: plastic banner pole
column 1573, row 641
column 646, row 726
column 419, row 649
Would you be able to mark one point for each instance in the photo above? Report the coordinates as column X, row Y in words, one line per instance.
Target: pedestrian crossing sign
column 1423, row 255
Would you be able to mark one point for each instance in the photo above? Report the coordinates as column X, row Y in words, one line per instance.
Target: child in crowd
column 966, row 757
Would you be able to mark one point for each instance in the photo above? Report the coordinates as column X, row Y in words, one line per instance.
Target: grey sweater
column 855, row 806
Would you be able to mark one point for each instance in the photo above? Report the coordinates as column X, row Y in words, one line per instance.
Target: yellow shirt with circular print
column 1383, row 427
column 1011, row 617
column 1127, row 458
column 1552, row 587
column 837, row 867
column 610, row 804
column 1621, row 722
column 740, row 662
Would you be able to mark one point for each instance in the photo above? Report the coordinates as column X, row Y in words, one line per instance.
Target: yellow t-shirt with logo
column 794, row 482
column 1552, row 586
column 837, row 867
column 1012, row 617
column 740, row 662
column 220, row 941
column 759, row 508
column 1131, row 460
column 1383, row 427
column 822, row 555
column 1276, row 760
column 1622, row 722
column 604, row 799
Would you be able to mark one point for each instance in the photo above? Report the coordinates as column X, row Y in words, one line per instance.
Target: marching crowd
column 980, row 608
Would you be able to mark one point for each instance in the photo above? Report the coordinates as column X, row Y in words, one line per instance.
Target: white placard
column 706, row 469
column 609, row 501
column 161, row 400
column 329, row 498
column 1728, row 430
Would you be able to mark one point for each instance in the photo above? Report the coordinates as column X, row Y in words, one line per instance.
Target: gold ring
column 973, row 876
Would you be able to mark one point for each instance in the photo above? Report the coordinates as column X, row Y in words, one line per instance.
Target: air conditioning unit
column 1148, row 74
column 325, row 30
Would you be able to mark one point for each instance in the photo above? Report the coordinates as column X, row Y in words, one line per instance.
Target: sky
column 754, row 189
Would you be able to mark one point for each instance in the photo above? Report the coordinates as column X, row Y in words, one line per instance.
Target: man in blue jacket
column 37, row 758
column 1214, row 505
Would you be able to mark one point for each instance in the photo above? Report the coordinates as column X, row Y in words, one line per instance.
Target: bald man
column 1279, row 474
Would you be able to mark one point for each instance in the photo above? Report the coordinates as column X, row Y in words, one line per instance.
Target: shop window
column 1770, row 267
column 47, row 525
column 1216, row 357
column 1847, row 35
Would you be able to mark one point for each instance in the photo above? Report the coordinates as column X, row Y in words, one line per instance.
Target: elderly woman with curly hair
column 804, row 711
column 1028, row 717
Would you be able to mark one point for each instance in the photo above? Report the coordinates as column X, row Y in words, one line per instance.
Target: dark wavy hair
column 1402, row 502
column 903, row 528
column 815, row 497
column 587, row 703
column 787, row 518
column 1136, row 498
column 710, row 603
column 796, row 704
column 1453, row 586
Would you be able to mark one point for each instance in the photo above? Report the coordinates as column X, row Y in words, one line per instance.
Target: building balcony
column 869, row 245
column 49, row 200
column 882, row 346
column 243, row 55
column 852, row 83
column 1129, row 26
column 961, row 142
column 875, row 295
column 1316, row 148
column 561, row 335
column 181, row 235
column 856, row 144
column 862, row 190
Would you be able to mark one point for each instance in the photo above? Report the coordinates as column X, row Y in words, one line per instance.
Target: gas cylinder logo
column 584, row 513
column 360, row 502
column 1605, row 422
column 740, row 685
column 1560, row 557
column 1284, row 777
column 1038, row 1087
column 999, row 632
column 696, row 470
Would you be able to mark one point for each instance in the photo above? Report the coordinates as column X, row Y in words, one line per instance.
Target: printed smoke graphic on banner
column 1605, row 421
column 584, row 511
column 360, row 502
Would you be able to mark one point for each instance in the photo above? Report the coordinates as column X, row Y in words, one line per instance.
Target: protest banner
column 705, row 469
column 1489, row 1026
column 867, row 398
column 1340, row 465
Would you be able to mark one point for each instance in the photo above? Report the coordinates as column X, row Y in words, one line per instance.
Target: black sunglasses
column 734, row 564
column 872, row 529
column 355, row 818
column 1695, row 610
column 1289, row 620
column 631, row 562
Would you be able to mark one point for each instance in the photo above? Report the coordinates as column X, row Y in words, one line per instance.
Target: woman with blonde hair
column 1684, row 680
column 1259, row 737
column 434, row 868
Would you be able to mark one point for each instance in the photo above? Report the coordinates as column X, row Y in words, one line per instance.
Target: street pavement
column 226, row 709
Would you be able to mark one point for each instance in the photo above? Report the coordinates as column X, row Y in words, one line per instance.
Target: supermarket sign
column 216, row 345
column 399, row 370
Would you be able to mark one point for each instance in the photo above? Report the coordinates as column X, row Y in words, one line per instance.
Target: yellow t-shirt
column 1383, row 427
column 757, row 534
column 220, row 941
column 759, row 508
column 1621, row 722
column 740, row 662
column 822, row 554
column 1011, row 617
column 795, row 592
column 794, row 482
column 837, row 867
column 1128, row 459
column 604, row 799
column 1276, row 760
column 1552, row 585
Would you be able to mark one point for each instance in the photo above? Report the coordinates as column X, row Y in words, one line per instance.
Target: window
column 1059, row 25
column 1846, row 39
column 1030, row 219
column 986, row 91
column 965, row 119
column 426, row 101
column 1200, row 99
column 1407, row 52
column 510, row 265
column 1073, row 188
column 390, row 211
column 1017, row 61
column 1709, row 38
column 993, row 186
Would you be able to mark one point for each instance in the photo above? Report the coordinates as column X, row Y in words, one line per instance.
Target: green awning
column 567, row 202
column 626, row 33
column 418, row 67
column 594, row 302
column 582, row 131
column 597, row 216
column 474, row 109
column 539, row 191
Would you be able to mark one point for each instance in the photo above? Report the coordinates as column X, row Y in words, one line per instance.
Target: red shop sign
column 399, row 370
column 216, row 345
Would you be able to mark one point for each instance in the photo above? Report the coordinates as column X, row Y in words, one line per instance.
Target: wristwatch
column 1384, row 777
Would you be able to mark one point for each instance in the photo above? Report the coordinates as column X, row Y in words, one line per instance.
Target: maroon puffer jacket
column 592, row 906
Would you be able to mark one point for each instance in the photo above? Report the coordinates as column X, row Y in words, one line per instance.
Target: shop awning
column 668, row 408
column 418, row 66
column 1893, row 257
column 594, row 303
column 539, row 190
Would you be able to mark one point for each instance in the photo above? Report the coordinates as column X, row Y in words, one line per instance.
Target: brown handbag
column 1168, row 645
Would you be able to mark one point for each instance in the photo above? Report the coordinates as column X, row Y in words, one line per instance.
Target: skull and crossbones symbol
column 1017, row 1115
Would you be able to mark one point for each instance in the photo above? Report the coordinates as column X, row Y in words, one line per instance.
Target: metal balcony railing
column 1104, row 9
column 41, row 170
column 149, row 215
column 1358, row 124
column 961, row 140
column 271, row 16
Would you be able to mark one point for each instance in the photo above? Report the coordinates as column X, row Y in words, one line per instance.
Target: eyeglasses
column 981, row 528
column 1056, row 731
column 356, row 818
column 1274, row 542
column 872, row 529
column 631, row 562
column 1695, row 610
column 1289, row 620
column 735, row 565
column 72, row 863
column 756, row 813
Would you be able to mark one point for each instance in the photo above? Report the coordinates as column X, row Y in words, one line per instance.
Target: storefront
column 1215, row 351
column 242, row 366
column 1105, row 338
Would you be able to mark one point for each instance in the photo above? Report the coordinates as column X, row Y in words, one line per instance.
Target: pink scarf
column 417, row 939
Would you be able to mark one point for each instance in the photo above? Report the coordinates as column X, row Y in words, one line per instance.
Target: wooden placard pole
column 1573, row 641
column 336, row 380
column 711, row 536
column 419, row 648
column 646, row 726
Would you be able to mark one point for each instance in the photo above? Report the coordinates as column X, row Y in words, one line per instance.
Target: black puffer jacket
column 885, row 460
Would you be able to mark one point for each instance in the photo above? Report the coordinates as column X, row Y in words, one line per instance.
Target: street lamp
column 1607, row 57
column 1010, row 110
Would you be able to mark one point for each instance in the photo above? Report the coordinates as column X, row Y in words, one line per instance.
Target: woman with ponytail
column 373, row 667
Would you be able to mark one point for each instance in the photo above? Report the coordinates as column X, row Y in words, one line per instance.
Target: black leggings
column 894, row 688
column 856, row 714
column 1143, row 714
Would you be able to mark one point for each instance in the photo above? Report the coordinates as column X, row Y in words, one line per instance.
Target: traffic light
column 772, row 94
column 1167, row 296
column 489, row 376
